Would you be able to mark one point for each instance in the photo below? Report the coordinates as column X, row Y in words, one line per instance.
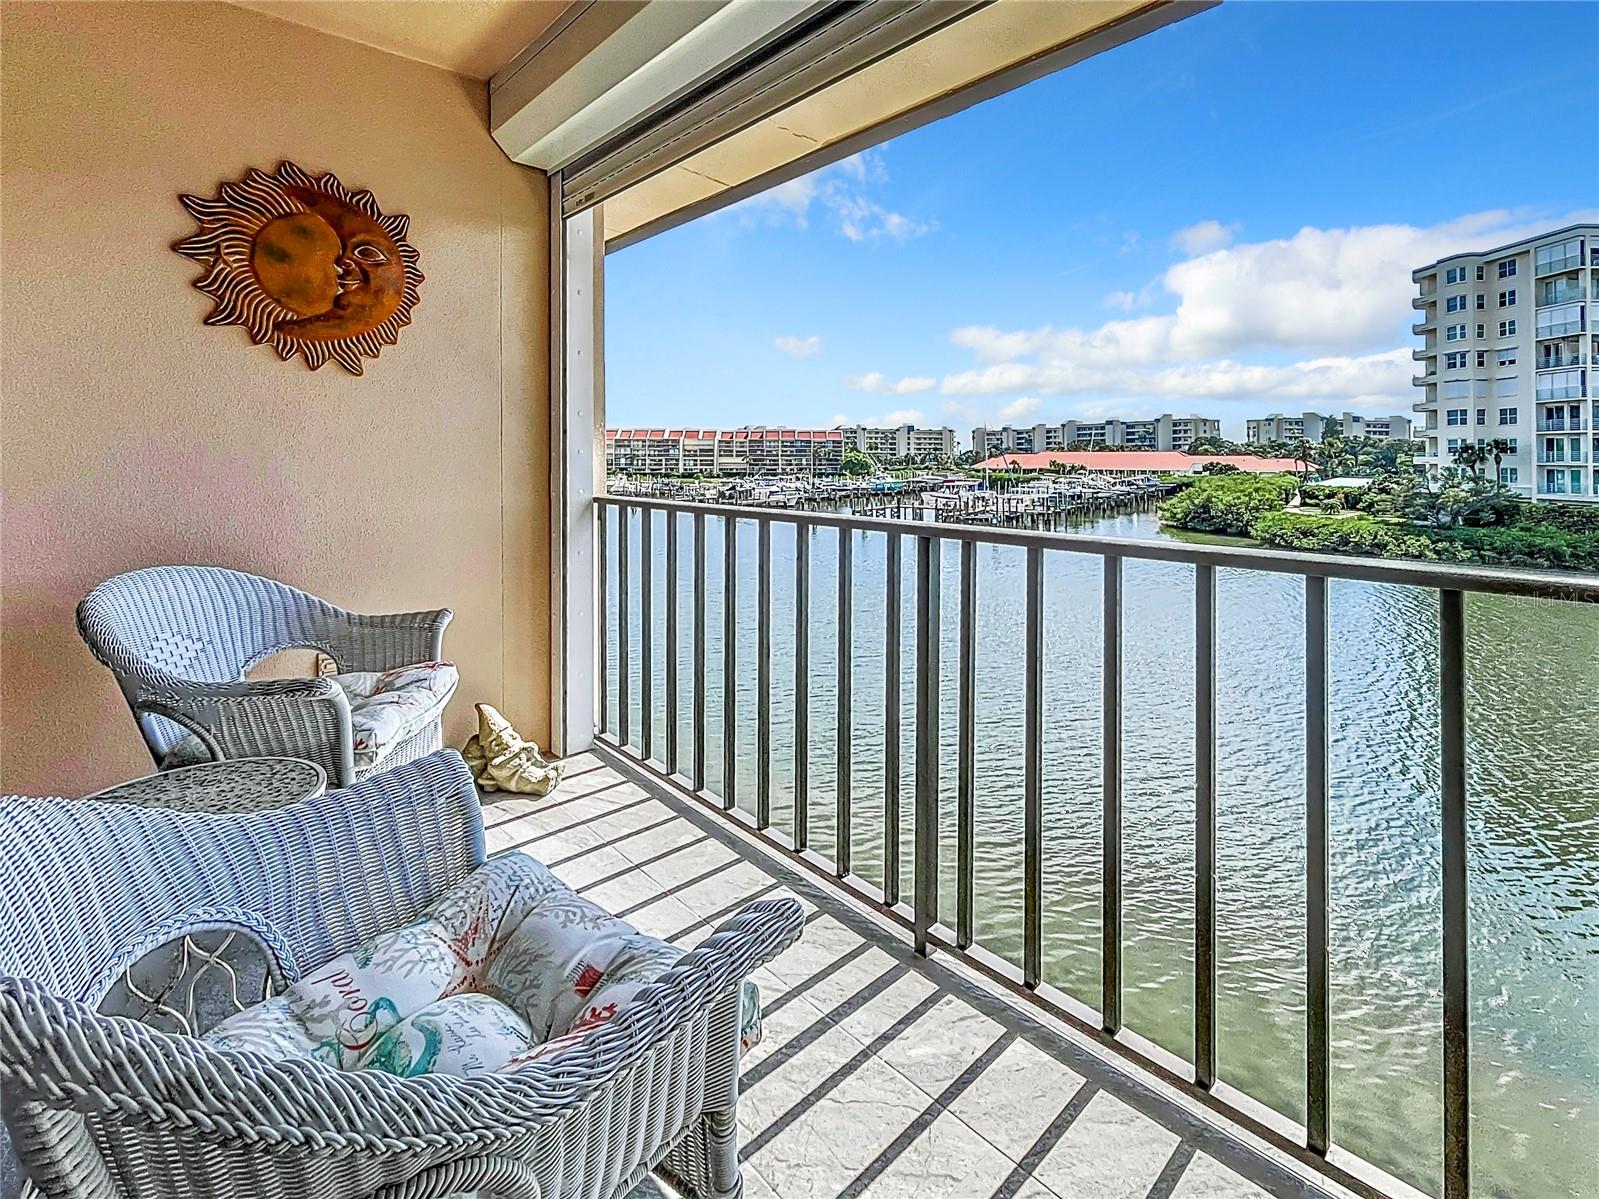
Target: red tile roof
column 1152, row 461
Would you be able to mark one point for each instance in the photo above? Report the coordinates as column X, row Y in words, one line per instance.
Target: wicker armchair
column 180, row 638
column 107, row 1108
column 96, row 893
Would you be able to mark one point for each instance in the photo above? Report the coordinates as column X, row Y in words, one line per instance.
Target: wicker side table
column 241, row 785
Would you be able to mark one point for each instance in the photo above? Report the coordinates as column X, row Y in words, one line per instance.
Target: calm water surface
column 1534, row 823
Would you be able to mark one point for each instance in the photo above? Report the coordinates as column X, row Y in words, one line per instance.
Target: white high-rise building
column 1311, row 425
column 1163, row 432
column 1508, row 354
column 900, row 442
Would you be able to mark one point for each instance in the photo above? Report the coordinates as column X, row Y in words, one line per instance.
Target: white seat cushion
column 387, row 706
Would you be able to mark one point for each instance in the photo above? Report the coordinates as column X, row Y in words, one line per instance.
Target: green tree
column 856, row 464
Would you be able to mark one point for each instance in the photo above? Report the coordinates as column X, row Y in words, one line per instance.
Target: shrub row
column 1535, row 546
column 1230, row 503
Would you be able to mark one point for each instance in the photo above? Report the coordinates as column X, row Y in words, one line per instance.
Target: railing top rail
column 1573, row 586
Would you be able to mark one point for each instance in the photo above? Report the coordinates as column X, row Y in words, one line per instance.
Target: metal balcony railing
column 1562, row 457
column 1563, row 426
column 1556, row 361
column 626, row 594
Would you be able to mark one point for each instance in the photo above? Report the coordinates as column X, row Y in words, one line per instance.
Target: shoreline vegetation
column 1464, row 520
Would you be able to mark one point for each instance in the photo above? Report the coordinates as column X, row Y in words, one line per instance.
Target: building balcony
column 1425, row 298
column 1561, row 457
column 1562, row 329
column 1558, row 361
column 1569, row 262
column 877, row 822
column 1421, row 355
column 1421, row 327
column 1423, row 380
column 1568, row 425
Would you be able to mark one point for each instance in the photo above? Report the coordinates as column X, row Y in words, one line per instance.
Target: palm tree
column 1497, row 449
column 1471, row 456
column 1304, row 454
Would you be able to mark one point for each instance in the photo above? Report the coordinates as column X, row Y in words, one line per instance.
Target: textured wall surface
column 132, row 434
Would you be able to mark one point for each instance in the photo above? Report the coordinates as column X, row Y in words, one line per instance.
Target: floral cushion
column 387, row 706
column 509, row 967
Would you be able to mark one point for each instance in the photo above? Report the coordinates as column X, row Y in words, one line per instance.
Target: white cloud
column 888, row 420
column 841, row 192
column 1018, row 408
column 799, row 347
column 1315, row 316
column 1203, row 237
column 1125, row 300
column 880, row 384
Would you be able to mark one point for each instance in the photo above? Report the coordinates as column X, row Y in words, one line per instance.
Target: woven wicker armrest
column 384, row 642
column 296, row 718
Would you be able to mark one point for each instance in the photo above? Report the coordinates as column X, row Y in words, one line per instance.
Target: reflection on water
column 1534, row 749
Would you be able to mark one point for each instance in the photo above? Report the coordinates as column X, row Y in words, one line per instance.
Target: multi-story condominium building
column 1164, row 432
column 900, row 442
column 1507, row 353
column 748, row 451
column 1310, row 426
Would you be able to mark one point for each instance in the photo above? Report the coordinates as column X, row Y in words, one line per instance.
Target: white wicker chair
column 102, row 1107
column 180, row 638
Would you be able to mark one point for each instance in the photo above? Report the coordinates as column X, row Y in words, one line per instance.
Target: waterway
column 1533, row 704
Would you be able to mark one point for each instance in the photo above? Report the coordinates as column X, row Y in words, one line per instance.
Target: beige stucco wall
column 132, row 434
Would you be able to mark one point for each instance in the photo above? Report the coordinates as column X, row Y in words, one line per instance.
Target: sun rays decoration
column 304, row 264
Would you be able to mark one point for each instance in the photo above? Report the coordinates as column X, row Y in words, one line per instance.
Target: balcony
column 1567, row 262
column 858, row 640
column 1560, row 329
column 1550, row 362
column 1568, row 425
column 1421, row 355
column 1423, row 326
column 1559, row 291
column 1561, row 457
column 881, row 1071
column 1425, row 298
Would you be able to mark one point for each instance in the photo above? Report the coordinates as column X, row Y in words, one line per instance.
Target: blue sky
column 1220, row 218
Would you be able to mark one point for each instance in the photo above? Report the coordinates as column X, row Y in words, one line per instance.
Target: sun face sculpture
column 306, row 264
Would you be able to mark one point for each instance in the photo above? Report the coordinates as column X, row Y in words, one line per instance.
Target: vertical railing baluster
column 1033, row 776
column 1317, row 1015
column 697, row 708
column 846, row 675
column 603, row 514
column 1457, row 1025
column 646, row 657
column 892, row 612
column 1205, row 825
column 729, row 662
column 802, row 685
column 671, row 643
column 624, row 656
column 1110, row 926
column 929, row 576
column 763, row 675
column 966, row 769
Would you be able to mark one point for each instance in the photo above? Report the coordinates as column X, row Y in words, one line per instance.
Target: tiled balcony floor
column 881, row 1074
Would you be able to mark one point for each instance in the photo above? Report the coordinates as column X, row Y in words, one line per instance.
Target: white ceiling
column 470, row 37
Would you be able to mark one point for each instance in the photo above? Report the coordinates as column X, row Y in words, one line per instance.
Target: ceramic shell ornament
column 305, row 265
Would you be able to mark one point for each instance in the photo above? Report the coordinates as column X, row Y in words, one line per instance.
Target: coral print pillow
column 509, row 967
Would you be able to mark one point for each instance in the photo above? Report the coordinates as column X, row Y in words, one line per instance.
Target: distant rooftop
column 1152, row 461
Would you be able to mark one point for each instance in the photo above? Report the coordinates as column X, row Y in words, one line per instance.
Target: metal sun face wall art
column 305, row 264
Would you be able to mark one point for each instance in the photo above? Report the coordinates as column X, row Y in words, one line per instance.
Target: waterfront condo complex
column 1310, row 426
column 1507, row 355
column 1164, row 432
column 748, row 451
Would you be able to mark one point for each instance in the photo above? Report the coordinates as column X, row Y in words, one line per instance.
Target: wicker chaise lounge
column 105, row 1107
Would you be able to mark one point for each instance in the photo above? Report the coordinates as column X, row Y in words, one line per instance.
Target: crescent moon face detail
column 305, row 264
